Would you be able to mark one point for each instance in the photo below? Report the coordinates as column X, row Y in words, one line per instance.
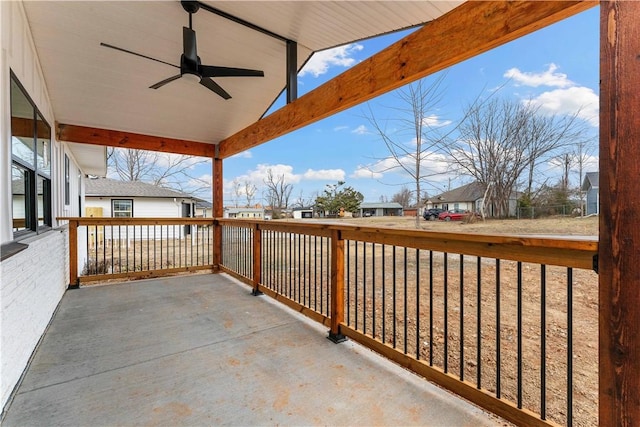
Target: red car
column 453, row 215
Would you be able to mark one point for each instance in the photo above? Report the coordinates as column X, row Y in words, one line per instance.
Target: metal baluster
column 430, row 308
column 569, row 347
column 446, row 313
column 373, row 289
column 479, row 326
column 519, row 333
column 498, row 356
column 461, row 317
column 394, row 297
column 418, row 304
column 543, row 342
column 405, row 299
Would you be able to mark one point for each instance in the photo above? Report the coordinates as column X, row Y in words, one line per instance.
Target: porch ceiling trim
column 468, row 30
column 121, row 139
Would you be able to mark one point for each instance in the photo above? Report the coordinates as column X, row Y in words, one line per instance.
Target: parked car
column 432, row 214
column 453, row 215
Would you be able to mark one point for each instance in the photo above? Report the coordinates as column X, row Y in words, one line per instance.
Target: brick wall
column 33, row 282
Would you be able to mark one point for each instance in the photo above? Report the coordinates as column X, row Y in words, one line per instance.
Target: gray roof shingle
column 110, row 187
column 467, row 193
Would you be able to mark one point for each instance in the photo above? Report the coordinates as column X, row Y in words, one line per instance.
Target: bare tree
column 404, row 197
column 301, row 201
column 501, row 139
column 237, row 191
column 278, row 192
column 161, row 169
column 249, row 192
column 413, row 134
column 583, row 152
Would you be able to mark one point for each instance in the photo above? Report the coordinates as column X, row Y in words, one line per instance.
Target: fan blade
column 189, row 44
column 165, row 81
column 211, row 85
column 137, row 54
column 213, row 71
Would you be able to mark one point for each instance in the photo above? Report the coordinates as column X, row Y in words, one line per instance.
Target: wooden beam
column 469, row 30
column 121, row 139
column 619, row 258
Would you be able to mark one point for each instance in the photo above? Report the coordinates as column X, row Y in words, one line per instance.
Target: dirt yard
column 559, row 226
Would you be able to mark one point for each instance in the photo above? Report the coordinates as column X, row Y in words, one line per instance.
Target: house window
column 30, row 164
column 122, row 208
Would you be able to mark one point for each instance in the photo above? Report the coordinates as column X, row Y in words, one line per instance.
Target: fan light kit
column 190, row 65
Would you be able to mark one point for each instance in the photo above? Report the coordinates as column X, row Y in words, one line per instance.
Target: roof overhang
column 98, row 87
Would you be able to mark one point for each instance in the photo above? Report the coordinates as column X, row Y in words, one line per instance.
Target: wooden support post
column 74, row 282
column 217, row 210
column 619, row 254
column 337, row 286
column 257, row 259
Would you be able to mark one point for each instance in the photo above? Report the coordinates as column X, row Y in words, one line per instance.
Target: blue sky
column 556, row 67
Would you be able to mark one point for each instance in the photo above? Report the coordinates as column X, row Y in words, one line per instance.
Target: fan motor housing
column 190, row 6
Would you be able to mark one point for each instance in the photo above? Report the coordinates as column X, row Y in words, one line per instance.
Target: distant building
column 303, row 213
column 468, row 197
column 591, row 185
column 380, row 209
column 247, row 213
column 204, row 209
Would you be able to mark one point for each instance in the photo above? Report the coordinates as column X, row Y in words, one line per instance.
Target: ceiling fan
column 190, row 64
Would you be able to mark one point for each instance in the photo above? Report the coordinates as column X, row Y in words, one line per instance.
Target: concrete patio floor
column 200, row 350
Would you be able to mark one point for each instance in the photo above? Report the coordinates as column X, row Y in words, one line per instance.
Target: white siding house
column 41, row 179
column 134, row 199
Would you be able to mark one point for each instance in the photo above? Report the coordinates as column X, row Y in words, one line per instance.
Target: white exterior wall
column 30, row 294
column 34, row 280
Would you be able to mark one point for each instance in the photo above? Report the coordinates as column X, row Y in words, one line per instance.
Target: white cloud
column 580, row 99
column 243, row 155
column 324, row 175
column 435, row 121
column 361, row 130
column 339, row 128
column 546, row 78
column 340, row 56
column 363, row 172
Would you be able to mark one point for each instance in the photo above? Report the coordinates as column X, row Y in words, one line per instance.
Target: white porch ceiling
column 94, row 86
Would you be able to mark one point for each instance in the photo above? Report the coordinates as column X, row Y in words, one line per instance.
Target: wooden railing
column 111, row 248
column 500, row 320
column 491, row 318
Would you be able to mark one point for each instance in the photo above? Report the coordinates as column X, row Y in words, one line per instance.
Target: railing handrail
column 576, row 252
column 559, row 251
column 137, row 221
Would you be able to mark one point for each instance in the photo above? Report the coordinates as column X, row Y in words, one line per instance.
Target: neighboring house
column 41, row 179
column 302, row 213
column 468, row 197
column 381, row 209
column 591, row 186
column 252, row 213
column 203, row 209
column 106, row 197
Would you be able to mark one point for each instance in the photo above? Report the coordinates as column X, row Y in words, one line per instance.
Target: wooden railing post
column 257, row 259
column 74, row 282
column 619, row 257
column 337, row 286
column 217, row 211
